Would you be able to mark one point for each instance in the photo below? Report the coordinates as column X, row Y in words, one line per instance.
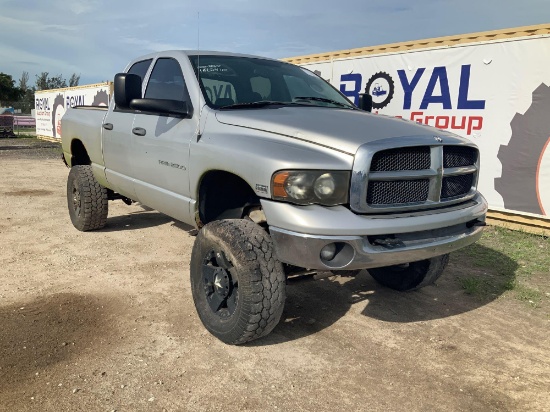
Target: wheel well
column 223, row 195
column 79, row 155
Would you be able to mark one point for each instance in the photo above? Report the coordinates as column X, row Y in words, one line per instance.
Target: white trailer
column 490, row 87
column 50, row 105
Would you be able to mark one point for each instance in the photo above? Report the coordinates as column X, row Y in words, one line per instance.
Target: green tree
column 45, row 82
column 8, row 91
column 74, row 80
column 24, row 82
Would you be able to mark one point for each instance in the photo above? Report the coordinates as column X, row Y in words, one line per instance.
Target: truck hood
column 341, row 129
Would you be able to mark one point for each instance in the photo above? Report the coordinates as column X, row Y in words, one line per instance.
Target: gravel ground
column 104, row 321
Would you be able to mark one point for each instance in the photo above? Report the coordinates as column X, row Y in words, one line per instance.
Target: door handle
column 140, row 131
column 108, row 126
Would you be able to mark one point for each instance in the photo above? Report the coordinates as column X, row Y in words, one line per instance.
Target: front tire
column 86, row 199
column 238, row 285
column 411, row 276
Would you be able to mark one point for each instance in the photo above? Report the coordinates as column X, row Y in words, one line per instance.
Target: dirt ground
column 104, row 321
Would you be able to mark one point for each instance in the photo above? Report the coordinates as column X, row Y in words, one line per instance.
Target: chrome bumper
column 398, row 239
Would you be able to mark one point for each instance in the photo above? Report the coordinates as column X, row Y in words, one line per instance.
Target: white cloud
column 82, row 6
column 153, row 45
column 98, row 38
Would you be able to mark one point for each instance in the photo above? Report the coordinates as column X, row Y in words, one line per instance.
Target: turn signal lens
column 278, row 185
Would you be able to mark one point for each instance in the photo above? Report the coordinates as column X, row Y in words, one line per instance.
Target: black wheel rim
column 76, row 201
column 220, row 284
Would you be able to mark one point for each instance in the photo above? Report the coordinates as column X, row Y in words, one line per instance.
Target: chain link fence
column 19, row 107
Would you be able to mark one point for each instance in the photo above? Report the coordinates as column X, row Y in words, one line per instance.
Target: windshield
column 233, row 82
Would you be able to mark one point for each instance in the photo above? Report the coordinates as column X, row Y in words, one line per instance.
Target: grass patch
column 471, row 285
column 505, row 260
column 25, row 136
column 526, row 294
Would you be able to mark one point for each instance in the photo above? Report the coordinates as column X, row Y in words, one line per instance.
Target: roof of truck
column 201, row 53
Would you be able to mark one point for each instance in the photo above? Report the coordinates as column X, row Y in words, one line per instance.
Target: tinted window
column 227, row 80
column 166, row 81
column 262, row 86
column 140, row 68
column 219, row 91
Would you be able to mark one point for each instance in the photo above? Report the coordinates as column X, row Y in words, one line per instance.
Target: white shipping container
column 492, row 88
column 50, row 105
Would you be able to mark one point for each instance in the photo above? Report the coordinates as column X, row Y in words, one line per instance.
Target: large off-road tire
column 86, row 199
column 412, row 276
column 238, row 285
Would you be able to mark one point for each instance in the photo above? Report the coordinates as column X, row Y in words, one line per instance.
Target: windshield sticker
column 216, row 69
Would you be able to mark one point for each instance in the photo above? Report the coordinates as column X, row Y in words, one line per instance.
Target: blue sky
column 97, row 38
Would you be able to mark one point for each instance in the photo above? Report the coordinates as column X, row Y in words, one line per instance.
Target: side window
column 166, row 81
column 140, row 68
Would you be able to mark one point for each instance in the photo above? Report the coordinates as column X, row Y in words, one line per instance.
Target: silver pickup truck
column 280, row 172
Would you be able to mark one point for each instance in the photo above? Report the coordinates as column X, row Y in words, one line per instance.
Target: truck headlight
column 306, row 187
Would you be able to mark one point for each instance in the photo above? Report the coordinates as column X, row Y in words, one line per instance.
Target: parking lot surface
column 104, row 321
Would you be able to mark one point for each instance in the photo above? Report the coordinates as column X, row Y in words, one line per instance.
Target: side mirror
column 365, row 102
column 164, row 106
column 127, row 88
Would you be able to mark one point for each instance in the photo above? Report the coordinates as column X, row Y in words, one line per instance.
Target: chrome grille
column 425, row 172
column 456, row 185
column 459, row 156
column 398, row 191
column 408, row 158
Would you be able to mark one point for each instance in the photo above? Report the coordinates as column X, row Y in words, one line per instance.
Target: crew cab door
column 118, row 141
column 160, row 150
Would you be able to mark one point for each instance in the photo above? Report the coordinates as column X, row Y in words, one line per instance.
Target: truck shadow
column 314, row 306
column 141, row 220
column 135, row 221
column 38, row 334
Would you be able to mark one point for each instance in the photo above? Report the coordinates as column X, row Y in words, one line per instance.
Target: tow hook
column 476, row 223
column 389, row 242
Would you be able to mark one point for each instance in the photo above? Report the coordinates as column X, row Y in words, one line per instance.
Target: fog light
column 328, row 252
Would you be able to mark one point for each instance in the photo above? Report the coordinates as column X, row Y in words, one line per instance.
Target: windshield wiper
column 325, row 100
column 253, row 105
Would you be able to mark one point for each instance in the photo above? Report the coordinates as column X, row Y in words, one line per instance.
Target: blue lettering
column 463, row 102
column 42, row 104
column 357, row 79
column 409, row 87
column 439, row 75
column 72, row 101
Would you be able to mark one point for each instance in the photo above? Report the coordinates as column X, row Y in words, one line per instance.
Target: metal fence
column 19, row 107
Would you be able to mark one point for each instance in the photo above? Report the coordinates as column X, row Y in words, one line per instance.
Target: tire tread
column 263, row 293
column 94, row 200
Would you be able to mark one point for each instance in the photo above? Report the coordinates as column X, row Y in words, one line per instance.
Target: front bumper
column 362, row 241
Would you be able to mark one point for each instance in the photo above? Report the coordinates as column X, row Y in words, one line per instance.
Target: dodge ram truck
column 281, row 175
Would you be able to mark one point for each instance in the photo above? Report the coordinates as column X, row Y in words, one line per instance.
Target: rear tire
column 238, row 285
column 86, row 199
column 412, row 276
